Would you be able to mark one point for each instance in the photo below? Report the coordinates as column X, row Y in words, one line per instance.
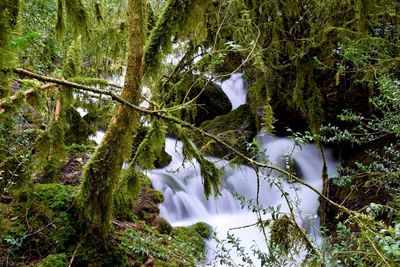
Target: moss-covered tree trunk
column 9, row 10
column 101, row 173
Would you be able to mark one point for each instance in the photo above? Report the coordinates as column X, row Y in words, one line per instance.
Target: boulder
column 210, row 100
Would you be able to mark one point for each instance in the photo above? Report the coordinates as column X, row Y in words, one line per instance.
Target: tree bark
column 9, row 10
column 101, row 173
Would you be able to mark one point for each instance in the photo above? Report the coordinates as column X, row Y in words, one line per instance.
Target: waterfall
column 234, row 88
column 185, row 203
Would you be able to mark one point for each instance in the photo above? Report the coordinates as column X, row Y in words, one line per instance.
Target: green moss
column 40, row 218
column 73, row 62
column 54, row 260
column 9, row 11
column 195, row 236
column 209, row 172
column 150, row 147
column 50, row 148
column 16, row 172
column 236, row 128
column 76, row 13
column 10, row 225
column 164, row 227
column 175, row 18
column 94, row 252
column 185, row 248
column 51, row 170
column 77, row 129
column 157, row 196
column 53, row 196
column 161, row 158
column 78, row 148
column 88, row 80
column 127, row 193
column 284, row 234
column 49, row 211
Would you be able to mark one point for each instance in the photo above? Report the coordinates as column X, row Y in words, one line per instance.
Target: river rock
column 210, row 100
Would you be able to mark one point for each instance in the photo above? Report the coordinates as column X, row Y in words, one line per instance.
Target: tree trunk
column 101, row 173
column 9, row 10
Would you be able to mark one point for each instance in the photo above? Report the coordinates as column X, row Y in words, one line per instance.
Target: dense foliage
column 326, row 68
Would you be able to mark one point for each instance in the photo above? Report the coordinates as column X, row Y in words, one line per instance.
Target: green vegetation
column 44, row 218
column 328, row 69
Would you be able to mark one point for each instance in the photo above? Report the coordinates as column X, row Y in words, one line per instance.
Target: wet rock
column 210, row 99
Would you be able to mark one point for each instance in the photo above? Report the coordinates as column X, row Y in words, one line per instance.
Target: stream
column 185, row 202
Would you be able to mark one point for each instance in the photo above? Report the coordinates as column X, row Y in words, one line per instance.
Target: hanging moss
column 175, row 18
column 76, row 13
column 51, row 151
column 209, row 172
column 161, row 158
column 127, row 193
column 77, row 129
column 60, row 25
column 286, row 236
column 298, row 91
column 362, row 11
column 151, row 146
column 73, row 61
column 315, row 110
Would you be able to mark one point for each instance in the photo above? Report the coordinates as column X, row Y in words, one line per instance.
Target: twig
column 73, row 255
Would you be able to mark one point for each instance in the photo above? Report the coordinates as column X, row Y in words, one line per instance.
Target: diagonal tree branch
column 163, row 114
column 8, row 100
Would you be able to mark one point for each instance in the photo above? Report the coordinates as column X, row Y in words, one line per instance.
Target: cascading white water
column 234, row 88
column 185, row 203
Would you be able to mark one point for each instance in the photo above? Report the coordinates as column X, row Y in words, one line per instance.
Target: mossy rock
column 54, row 260
column 236, row 128
column 211, row 101
column 52, row 206
column 157, row 196
column 164, row 227
column 53, row 196
column 206, row 99
column 48, row 211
